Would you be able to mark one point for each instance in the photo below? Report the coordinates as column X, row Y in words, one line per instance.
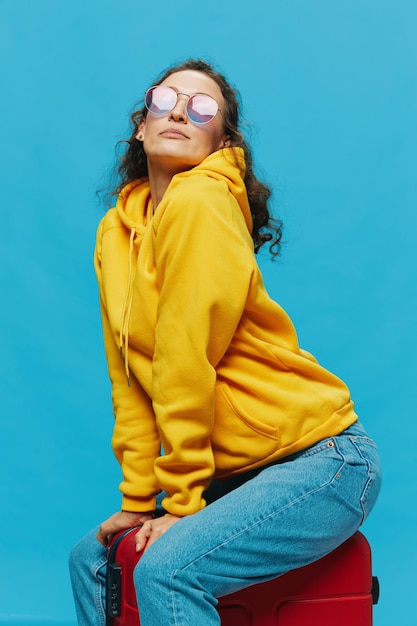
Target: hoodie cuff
column 138, row 505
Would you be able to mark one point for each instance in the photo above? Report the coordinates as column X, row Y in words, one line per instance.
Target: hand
column 120, row 521
column 152, row 530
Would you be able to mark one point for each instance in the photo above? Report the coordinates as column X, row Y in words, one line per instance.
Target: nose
column 179, row 112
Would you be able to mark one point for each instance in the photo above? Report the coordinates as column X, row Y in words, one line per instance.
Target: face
column 172, row 142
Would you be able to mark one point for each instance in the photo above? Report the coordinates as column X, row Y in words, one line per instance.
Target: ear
column 225, row 142
column 140, row 135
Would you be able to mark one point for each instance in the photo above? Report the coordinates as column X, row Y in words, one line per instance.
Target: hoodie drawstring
column 127, row 306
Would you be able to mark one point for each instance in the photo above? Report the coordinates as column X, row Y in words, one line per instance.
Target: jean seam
column 371, row 473
column 173, row 594
column 363, row 439
column 94, row 569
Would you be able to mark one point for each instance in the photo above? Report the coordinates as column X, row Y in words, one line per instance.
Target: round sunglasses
column 200, row 108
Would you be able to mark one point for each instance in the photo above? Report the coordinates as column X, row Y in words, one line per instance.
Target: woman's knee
column 86, row 551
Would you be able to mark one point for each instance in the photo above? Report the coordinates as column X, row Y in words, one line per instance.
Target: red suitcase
column 337, row 589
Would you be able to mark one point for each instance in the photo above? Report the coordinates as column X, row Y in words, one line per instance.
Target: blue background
column 330, row 89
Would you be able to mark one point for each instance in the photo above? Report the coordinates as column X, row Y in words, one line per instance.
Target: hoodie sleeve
column 204, row 259
column 135, row 438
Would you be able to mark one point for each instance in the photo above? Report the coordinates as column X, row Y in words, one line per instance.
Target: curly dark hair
column 133, row 163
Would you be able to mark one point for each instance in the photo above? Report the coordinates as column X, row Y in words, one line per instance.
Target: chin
column 176, row 162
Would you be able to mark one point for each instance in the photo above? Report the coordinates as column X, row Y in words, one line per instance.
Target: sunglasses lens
column 160, row 99
column 201, row 108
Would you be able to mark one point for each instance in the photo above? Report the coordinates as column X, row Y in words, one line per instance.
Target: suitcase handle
column 375, row 590
column 113, row 590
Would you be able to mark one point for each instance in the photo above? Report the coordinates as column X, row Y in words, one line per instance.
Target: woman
column 256, row 448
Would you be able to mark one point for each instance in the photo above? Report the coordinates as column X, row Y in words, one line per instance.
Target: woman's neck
column 158, row 187
column 159, row 180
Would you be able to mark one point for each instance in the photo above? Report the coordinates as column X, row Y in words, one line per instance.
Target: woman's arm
column 135, row 440
column 204, row 259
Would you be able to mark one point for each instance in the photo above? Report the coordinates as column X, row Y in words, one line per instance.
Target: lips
column 173, row 133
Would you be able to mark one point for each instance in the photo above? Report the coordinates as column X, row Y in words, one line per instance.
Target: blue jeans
column 271, row 521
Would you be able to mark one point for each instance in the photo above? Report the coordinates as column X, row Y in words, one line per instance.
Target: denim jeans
column 281, row 517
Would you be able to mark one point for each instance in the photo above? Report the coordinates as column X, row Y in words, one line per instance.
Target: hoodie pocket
column 238, row 439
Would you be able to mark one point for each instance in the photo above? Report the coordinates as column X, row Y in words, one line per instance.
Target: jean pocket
column 368, row 453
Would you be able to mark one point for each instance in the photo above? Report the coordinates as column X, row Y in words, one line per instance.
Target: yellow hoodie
column 217, row 379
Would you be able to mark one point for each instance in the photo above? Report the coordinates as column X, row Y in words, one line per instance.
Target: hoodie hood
column 134, row 205
column 228, row 165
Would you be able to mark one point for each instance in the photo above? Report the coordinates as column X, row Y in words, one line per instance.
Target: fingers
column 143, row 535
column 152, row 530
column 104, row 536
column 103, row 539
column 117, row 522
column 109, row 528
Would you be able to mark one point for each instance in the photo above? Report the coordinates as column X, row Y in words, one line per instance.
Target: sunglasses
column 200, row 108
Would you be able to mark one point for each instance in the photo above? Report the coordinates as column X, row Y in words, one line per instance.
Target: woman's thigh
column 290, row 514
